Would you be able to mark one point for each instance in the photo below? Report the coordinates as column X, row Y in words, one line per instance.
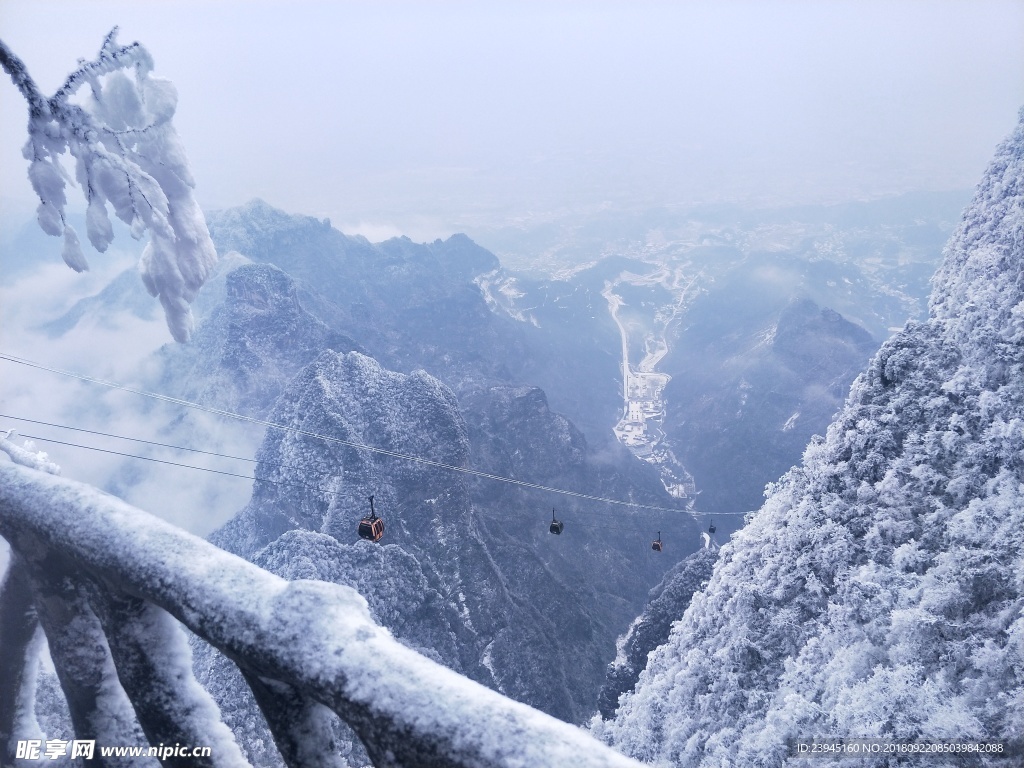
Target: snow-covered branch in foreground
column 304, row 643
column 127, row 153
column 25, row 456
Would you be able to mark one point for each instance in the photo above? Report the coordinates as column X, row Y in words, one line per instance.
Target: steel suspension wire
column 124, row 437
column 178, row 463
column 622, row 527
column 136, row 456
column 136, row 440
column 328, row 438
column 589, row 516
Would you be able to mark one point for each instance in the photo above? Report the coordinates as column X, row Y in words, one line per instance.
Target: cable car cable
column 252, row 478
column 136, row 456
column 179, row 464
column 328, row 438
column 375, row 536
column 588, row 515
column 139, row 440
column 124, row 437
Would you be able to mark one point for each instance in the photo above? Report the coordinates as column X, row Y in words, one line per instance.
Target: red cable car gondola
column 656, row 544
column 371, row 528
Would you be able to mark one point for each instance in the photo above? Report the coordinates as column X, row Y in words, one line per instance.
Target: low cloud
column 117, row 346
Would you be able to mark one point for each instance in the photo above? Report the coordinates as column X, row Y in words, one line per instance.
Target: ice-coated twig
column 127, row 153
column 27, row 458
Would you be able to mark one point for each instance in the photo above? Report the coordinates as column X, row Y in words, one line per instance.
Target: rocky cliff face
column 651, row 629
column 251, row 345
column 322, row 482
column 313, row 489
column 466, row 574
column 877, row 592
column 410, row 305
column 761, row 374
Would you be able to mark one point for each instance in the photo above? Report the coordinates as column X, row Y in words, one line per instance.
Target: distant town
column 640, row 428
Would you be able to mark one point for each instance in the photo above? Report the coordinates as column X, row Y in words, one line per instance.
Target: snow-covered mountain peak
column 877, row 593
column 980, row 286
column 251, row 345
column 262, row 287
column 318, row 478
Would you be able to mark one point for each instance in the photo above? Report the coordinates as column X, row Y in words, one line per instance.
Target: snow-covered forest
column 878, row 590
column 540, row 595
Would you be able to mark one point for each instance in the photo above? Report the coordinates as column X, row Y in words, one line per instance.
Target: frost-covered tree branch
column 25, row 456
column 126, row 153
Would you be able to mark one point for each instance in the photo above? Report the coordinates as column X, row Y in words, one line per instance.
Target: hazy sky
column 418, row 116
column 429, row 118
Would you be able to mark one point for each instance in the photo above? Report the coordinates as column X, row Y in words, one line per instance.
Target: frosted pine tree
column 114, row 120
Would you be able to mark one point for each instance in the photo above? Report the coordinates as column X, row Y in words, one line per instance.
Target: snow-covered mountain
column 473, row 586
column 757, row 356
column 666, row 603
column 410, row 304
column 877, row 593
column 302, row 519
column 252, row 344
column 467, row 572
column 755, row 373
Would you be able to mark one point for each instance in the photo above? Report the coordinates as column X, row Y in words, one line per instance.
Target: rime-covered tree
column 879, row 591
column 114, row 120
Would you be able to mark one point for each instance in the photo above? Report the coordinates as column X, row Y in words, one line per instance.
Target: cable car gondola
column 711, row 527
column 371, row 528
column 556, row 525
column 656, row 544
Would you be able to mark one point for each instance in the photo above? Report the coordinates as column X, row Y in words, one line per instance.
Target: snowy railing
column 103, row 580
